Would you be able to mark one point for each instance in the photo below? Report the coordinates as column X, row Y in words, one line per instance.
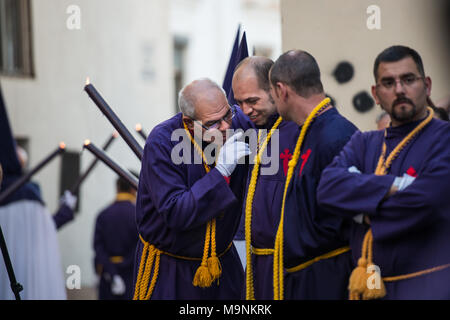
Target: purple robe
column 411, row 229
column 309, row 230
column 266, row 206
column 174, row 204
column 115, row 240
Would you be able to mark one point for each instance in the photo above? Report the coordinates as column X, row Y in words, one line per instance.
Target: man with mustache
column 188, row 211
column 264, row 192
column 396, row 183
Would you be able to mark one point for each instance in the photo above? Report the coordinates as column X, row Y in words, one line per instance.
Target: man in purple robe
column 251, row 89
column 395, row 183
column 188, row 205
column 115, row 240
column 312, row 259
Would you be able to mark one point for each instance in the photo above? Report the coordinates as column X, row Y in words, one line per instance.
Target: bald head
column 251, row 89
column 201, row 90
column 255, row 66
column 299, row 70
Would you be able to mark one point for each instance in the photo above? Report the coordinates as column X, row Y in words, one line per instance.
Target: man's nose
column 247, row 109
column 399, row 87
column 224, row 126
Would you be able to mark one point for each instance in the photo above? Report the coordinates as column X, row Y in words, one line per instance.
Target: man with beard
column 396, row 183
column 188, row 207
column 264, row 192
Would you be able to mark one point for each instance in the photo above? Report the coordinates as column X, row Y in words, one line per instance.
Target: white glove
column 230, row 153
column 117, row 285
column 404, row 181
column 354, row 169
column 360, row 217
column 69, row 199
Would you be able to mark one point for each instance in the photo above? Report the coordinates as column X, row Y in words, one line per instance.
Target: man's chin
column 404, row 112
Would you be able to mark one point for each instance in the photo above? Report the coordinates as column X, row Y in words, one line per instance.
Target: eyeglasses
column 210, row 125
column 406, row 81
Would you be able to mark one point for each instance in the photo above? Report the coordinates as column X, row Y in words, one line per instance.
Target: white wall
column 337, row 30
column 125, row 48
column 210, row 28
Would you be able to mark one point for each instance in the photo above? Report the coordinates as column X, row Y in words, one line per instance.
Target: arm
column 419, row 205
column 182, row 206
column 62, row 216
column 347, row 193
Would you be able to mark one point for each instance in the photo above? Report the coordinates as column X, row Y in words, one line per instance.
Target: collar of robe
column 402, row 130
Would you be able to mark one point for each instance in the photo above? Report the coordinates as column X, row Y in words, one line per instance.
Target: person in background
column 115, row 240
column 383, row 120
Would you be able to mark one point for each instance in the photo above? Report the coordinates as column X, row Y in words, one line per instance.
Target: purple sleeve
column 182, row 206
column 421, row 204
column 350, row 194
column 62, row 216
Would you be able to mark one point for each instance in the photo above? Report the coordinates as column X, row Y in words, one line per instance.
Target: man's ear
column 283, row 91
column 427, row 81
column 374, row 94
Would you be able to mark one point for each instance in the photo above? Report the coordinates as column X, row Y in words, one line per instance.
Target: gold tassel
column 202, row 278
column 214, row 267
column 375, row 293
column 358, row 279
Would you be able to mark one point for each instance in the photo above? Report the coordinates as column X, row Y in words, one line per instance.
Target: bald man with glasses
column 189, row 200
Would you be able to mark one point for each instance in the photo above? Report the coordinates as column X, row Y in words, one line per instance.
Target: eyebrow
column 249, row 99
column 401, row 76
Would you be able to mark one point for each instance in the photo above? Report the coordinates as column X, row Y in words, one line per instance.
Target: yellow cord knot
column 358, row 278
column 203, row 277
column 377, row 289
column 214, row 267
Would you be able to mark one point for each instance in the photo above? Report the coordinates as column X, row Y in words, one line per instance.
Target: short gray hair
column 187, row 99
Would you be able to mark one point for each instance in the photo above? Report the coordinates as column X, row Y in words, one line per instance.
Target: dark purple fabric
column 267, row 201
column 411, row 229
column 309, row 230
column 174, row 204
column 116, row 235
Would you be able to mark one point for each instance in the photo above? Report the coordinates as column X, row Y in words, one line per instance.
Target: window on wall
column 15, row 38
column 179, row 52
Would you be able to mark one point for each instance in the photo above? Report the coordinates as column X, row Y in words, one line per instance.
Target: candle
column 75, row 189
column 141, row 131
column 110, row 163
column 112, row 117
column 24, row 179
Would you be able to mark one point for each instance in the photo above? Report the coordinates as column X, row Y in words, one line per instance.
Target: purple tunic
column 115, row 240
column 266, row 207
column 174, row 204
column 411, row 229
column 309, row 230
